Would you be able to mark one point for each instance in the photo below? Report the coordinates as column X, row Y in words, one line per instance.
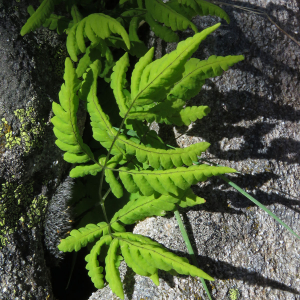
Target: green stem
column 190, row 248
column 254, row 200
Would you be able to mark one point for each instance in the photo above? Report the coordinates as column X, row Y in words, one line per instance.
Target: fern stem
column 190, row 248
column 258, row 12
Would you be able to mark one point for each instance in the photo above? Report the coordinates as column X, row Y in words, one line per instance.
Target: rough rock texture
column 254, row 128
column 31, row 166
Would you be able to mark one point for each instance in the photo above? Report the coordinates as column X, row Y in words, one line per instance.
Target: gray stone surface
column 254, row 128
column 31, row 166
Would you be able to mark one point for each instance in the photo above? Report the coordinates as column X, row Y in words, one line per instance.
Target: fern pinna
column 160, row 179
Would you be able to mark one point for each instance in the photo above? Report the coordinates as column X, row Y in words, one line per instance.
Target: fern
column 54, row 22
column 163, row 32
column 95, row 272
column 39, row 16
column 148, row 206
column 196, row 71
column 164, row 14
column 204, row 8
column 138, row 48
column 149, row 179
column 158, row 77
column 65, row 120
column 79, row 238
column 164, row 183
column 95, row 27
column 167, row 181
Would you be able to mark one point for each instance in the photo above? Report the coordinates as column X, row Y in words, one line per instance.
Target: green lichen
column 29, row 134
column 234, row 294
column 19, row 207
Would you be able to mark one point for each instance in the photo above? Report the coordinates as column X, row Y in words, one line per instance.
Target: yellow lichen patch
column 19, row 207
column 29, row 134
column 4, row 130
column 234, row 294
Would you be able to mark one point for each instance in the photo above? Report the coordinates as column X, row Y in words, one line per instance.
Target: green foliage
column 39, row 16
column 159, row 188
column 147, row 178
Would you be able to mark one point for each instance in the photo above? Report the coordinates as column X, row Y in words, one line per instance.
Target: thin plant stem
column 254, row 200
column 258, row 12
column 190, row 248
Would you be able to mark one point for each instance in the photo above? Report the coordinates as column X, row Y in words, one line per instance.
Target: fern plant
column 150, row 179
column 159, row 179
column 154, row 180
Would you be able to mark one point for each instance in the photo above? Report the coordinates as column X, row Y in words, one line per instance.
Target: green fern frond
column 190, row 199
column 39, row 16
column 148, row 206
column 110, row 178
column 118, row 83
column 138, row 72
column 159, row 76
column 65, row 120
column 75, row 13
column 189, row 115
column 92, row 54
column 207, row 8
column 94, row 27
column 138, row 48
column 151, row 255
column 100, row 52
column 196, row 71
column 81, row 171
column 60, row 23
column 95, row 271
column 135, row 260
column 171, row 112
column 163, row 32
column 131, row 13
column 186, row 11
column 79, row 238
column 166, row 15
column 103, row 131
column 168, row 181
column 160, row 157
column 112, row 272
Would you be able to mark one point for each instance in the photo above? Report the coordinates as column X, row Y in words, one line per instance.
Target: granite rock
column 254, row 128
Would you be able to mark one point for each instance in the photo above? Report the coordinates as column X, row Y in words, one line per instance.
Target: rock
column 31, row 166
column 254, row 128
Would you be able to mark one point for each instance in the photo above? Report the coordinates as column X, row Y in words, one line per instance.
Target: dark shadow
column 224, row 271
column 216, row 197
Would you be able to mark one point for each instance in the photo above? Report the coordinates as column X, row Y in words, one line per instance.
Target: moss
column 19, row 207
column 29, row 134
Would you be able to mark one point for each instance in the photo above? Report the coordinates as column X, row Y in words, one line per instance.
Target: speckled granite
column 253, row 127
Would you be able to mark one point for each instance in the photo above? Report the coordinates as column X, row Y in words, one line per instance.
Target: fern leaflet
column 118, row 82
column 112, row 272
column 167, row 181
column 159, row 76
column 94, row 27
column 152, row 256
column 95, row 272
column 39, row 16
column 196, row 71
column 65, row 120
column 165, row 14
column 79, row 238
column 148, row 206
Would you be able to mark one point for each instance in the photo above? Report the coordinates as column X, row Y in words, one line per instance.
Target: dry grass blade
column 258, row 12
